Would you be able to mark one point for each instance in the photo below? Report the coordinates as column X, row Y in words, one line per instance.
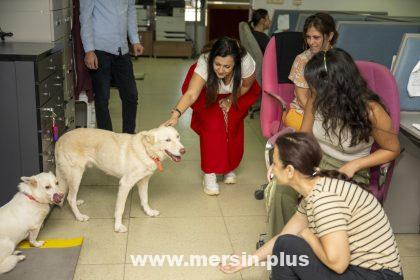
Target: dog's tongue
column 176, row 158
column 57, row 198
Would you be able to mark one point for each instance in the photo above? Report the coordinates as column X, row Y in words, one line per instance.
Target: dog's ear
column 150, row 138
column 30, row 181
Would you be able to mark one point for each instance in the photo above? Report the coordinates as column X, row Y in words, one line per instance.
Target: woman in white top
column 346, row 117
column 219, row 88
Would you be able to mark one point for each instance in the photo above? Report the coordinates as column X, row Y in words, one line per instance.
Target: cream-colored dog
column 132, row 158
column 23, row 216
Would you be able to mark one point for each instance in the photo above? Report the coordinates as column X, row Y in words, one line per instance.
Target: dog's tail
column 8, row 260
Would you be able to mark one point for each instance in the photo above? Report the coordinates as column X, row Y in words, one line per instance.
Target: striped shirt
column 335, row 205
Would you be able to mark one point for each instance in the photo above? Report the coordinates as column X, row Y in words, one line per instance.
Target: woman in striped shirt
column 340, row 230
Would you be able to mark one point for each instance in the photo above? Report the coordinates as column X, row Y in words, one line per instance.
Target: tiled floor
column 190, row 221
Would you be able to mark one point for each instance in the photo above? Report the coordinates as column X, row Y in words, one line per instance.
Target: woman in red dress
column 219, row 88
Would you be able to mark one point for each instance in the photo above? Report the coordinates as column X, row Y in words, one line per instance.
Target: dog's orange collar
column 30, row 197
column 158, row 163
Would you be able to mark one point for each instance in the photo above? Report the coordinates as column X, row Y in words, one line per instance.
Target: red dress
column 221, row 146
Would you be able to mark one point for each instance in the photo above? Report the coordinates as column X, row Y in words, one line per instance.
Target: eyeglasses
column 325, row 62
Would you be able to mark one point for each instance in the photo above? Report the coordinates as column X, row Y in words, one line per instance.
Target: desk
column 403, row 202
column 406, row 123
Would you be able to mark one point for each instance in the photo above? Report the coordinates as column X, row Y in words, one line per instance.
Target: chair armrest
column 279, row 99
column 383, row 172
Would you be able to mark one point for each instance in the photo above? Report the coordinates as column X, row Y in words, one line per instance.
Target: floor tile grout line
column 102, row 263
column 258, row 136
column 128, row 229
column 172, row 217
column 227, row 229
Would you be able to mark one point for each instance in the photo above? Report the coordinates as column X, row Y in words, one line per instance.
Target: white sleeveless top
column 333, row 148
column 247, row 69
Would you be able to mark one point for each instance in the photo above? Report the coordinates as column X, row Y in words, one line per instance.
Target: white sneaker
column 211, row 187
column 229, row 178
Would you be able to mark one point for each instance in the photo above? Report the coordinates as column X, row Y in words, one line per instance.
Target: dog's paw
column 82, row 218
column 152, row 213
column 21, row 257
column 17, row 253
column 120, row 228
column 38, row 243
column 80, row 202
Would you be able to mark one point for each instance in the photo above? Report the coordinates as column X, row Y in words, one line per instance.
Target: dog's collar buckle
column 158, row 163
column 30, row 197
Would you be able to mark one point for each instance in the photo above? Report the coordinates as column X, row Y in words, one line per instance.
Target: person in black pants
column 119, row 69
column 339, row 231
column 105, row 26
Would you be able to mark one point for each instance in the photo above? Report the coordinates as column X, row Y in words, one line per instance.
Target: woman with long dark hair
column 219, row 88
column 260, row 22
column 320, row 34
column 339, row 231
column 346, row 117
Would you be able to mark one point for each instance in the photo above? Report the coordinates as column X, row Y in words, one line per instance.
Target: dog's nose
column 182, row 151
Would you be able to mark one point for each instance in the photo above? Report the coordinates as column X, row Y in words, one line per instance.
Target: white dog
column 132, row 158
column 23, row 216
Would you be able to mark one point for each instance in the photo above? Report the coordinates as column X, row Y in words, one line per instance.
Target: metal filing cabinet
column 48, row 21
column 32, row 94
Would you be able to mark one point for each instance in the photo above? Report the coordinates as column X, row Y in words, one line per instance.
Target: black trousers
column 292, row 245
column 119, row 68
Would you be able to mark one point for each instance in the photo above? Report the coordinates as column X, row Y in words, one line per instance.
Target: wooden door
column 223, row 20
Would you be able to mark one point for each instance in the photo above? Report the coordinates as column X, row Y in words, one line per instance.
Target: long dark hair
column 223, row 47
column 302, row 151
column 342, row 95
column 258, row 15
column 323, row 23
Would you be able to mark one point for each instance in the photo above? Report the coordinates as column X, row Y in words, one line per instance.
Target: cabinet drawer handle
column 47, row 109
column 46, row 154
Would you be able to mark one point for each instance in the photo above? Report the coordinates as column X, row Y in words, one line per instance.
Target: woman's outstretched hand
column 173, row 120
column 233, row 266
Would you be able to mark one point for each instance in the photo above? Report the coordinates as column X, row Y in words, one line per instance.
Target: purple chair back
column 382, row 82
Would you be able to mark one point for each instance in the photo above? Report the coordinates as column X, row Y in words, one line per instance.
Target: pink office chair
column 273, row 93
column 380, row 81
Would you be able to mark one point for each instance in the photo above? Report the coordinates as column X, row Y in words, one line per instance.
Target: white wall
column 393, row 7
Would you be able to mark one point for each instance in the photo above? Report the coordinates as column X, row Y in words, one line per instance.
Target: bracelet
column 178, row 111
